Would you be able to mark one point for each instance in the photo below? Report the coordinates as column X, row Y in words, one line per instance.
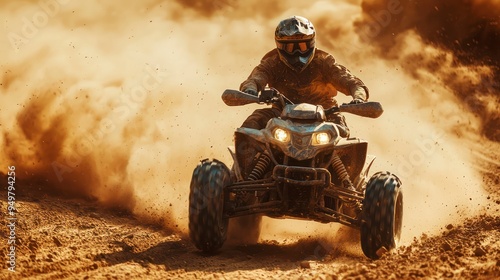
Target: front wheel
column 207, row 224
column 382, row 214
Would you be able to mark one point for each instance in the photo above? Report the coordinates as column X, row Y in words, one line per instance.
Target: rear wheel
column 207, row 224
column 382, row 214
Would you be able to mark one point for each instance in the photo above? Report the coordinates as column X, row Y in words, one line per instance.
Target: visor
column 292, row 47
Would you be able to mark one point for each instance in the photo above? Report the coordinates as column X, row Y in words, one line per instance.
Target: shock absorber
column 339, row 168
column 261, row 167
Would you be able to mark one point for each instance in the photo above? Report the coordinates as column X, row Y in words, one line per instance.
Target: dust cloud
column 468, row 35
column 119, row 101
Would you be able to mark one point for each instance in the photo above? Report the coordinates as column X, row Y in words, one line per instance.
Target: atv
column 294, row 168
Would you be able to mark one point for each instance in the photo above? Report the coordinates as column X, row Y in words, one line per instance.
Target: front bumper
column 293, row 192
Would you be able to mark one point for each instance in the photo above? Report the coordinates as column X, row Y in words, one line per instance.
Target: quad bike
column 294, row 168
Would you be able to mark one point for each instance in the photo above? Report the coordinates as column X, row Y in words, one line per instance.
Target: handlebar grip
column 232, row 97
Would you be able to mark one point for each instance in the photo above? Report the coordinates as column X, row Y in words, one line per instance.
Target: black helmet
column 295, row 40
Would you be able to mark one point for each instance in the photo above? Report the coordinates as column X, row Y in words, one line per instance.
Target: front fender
column 353, row 153
column 253, row 133
column 249, row 143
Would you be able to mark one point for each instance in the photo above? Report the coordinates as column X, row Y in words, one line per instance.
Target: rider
column 303, row 73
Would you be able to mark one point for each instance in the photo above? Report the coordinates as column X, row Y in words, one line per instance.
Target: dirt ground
column 59, row 237
column 114, row 102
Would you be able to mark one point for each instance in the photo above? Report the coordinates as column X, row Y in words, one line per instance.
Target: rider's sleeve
column 260, row 75
column 344, row 81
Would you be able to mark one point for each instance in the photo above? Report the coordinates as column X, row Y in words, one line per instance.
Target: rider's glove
column 266, row 96
column 357, row 101
column 359, row 92
column 251, row 91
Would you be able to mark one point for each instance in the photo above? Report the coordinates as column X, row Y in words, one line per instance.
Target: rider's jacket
column 317, row 84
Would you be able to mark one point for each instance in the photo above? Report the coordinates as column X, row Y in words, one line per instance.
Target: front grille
column 300, row 187
column 304, row 176
column 322, row 159
column 302, row 163
column 301, row 141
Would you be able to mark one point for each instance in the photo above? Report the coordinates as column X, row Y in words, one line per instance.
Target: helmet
column 295, row 40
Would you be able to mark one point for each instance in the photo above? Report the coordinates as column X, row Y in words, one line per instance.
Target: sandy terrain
column 59, row 237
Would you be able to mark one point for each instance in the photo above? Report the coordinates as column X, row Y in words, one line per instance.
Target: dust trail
column 119, row 101
column 449, row 52
column 467, row 32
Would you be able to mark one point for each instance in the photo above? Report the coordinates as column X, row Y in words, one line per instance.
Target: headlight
column 321, row 138
column 281, row 135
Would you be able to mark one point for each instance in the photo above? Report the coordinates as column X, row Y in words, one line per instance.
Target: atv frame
column 293, row 169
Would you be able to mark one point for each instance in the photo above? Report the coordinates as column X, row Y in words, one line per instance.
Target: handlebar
column 233, row 97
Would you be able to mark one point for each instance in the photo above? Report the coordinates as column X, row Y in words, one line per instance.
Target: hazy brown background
column 122, row 98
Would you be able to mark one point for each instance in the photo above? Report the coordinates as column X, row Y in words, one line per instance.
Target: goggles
column 292, row 47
